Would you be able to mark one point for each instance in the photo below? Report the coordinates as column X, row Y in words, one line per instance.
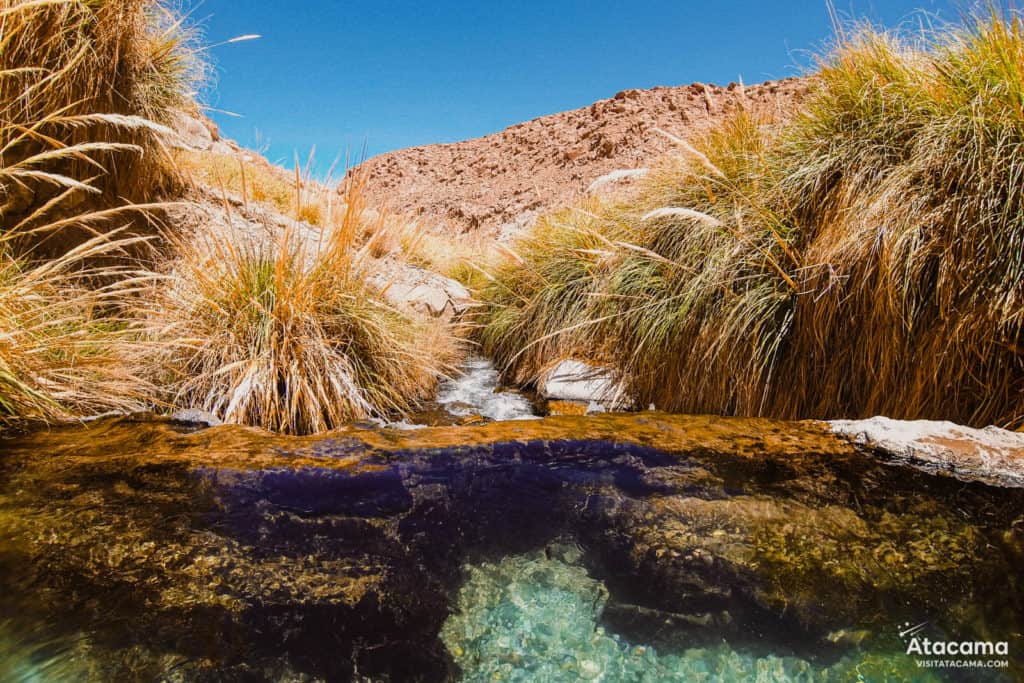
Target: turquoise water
column 528, row 618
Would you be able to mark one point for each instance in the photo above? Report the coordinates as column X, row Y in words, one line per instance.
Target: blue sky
column 395, row 74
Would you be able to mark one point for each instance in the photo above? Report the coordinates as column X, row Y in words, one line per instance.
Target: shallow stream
column 610, row 548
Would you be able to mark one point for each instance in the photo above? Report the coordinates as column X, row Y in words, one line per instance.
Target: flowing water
column 477, row 391
column 475, row 394
column 610, row 548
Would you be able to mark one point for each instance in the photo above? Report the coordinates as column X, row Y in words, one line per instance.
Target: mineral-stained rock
column 142, row 549
column 991, row 455
column 573, row 380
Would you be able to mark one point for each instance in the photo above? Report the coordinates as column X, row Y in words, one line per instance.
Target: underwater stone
column 530, row 618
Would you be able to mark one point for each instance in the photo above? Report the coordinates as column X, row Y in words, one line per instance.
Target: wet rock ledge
column 144, row 549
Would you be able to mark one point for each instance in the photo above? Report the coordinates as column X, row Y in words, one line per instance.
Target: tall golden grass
column 914, row 238
column 279, row 330
column 102, row 77
column 539, row 302
column 295, row 195
column 83, row 89
column 864, row 258
column 62, row 344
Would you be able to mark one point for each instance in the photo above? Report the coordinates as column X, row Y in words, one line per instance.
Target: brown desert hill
column 499, row 183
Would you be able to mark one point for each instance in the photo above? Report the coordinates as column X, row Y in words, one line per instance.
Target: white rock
column 573, row 380
column 991, row 455
column 223, row 148
column 433, row 294
column 196, row 416
column 431, row 300
column 430, row 297
column 192, row 133
column 458, row 295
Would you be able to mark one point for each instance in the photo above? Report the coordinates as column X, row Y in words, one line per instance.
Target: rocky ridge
column 500, row 183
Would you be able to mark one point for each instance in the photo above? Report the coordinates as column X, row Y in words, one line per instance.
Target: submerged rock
column 533, row 618
column 556, row 408
column 143, row 550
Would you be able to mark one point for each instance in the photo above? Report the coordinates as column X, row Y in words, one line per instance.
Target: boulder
column 194, row 416
column 223, row 148
column 192, row 132
column 573, row 380
column 424, row 298
column 428, row 293
column 459, row 297
column 991, row 454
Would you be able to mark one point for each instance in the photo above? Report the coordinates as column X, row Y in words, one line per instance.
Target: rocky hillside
column 501, row 182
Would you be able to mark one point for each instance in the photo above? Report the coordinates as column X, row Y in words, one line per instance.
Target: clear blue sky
column 333, row 73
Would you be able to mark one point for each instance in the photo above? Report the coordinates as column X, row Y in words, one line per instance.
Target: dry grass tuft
column 62, row 348
column 281, row 333
column 913, row 158
column 84, row 90
column 286, row 335
column 256, row 180
column 85, row 93
column 460, row 258
column 540, row 303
